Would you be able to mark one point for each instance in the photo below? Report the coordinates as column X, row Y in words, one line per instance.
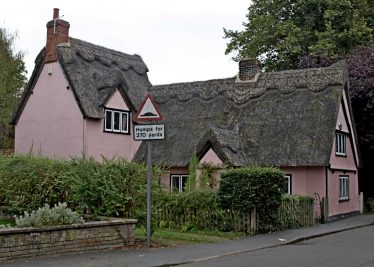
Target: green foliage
column 188, row 211
column 244, row 189
column 12, row 81
column 207, row 180
column 59, row 215
column 200, row 210
column 192, row 167
column 297, row 211
column 27, row 182
column 370, row 203
column 111, row 188
column 278, row 32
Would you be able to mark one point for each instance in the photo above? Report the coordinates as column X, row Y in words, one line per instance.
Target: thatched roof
column 284, row 118
column 94, row 73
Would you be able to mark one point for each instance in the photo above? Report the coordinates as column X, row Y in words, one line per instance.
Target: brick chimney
column 57, row 33
column 248, row 68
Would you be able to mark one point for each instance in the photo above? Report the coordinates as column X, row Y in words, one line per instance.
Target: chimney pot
column 248, row 68
column 56, row 13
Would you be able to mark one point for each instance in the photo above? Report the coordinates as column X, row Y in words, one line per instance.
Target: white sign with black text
column 149, row 132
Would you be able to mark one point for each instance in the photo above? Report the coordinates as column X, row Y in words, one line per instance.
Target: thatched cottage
column 81, row 98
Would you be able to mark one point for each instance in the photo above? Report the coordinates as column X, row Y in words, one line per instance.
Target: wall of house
column 343, row 165
column 344, row 162
column 51, row 123
column 306, row 181
column 98, row 143
column 212, row 158
column 337, row 207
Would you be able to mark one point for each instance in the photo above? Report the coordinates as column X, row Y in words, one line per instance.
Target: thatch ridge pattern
column 285, row 82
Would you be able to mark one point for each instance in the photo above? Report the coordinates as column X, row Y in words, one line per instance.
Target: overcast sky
column 179, row 41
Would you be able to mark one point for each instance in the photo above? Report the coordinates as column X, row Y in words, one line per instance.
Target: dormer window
column 340, row 144
column 117, row 121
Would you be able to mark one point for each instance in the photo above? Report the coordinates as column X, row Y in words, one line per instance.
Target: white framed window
column 178, row 182
column 343, row 187
column 340, row 146
column 288, row 186
column 117, row 121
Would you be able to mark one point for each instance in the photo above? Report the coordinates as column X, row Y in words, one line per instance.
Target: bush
column 190, row 210
column 370, row 203
column 59, row 215
column 244, row 189
column 111, row 188
column 296, row 211
column 27, row 182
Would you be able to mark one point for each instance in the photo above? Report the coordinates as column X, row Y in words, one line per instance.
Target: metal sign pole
column 149, row 190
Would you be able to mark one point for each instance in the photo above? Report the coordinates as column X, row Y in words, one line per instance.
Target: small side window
column 343, row 187
column 288, row 186
column 108, row 120
column 340, row 144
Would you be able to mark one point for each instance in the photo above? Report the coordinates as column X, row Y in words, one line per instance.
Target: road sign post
column 148, row 132
column 149, row 190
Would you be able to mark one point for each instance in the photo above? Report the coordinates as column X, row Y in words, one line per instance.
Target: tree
column 361, row 76
column 278, row 32
column 12, row 80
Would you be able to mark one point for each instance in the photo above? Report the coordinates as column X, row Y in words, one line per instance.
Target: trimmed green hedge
column 244, row 189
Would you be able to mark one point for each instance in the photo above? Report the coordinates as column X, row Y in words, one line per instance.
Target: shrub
column 60, row 214
column 27, row 182
column 296, row 211
column 370, row 203
column 244, row 189
column 191, row 182
column 190, row 210
column 111, row 188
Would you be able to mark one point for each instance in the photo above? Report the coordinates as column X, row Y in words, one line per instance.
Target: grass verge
column 171, row 238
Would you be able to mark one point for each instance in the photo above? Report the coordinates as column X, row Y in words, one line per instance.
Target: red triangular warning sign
column 149, row 111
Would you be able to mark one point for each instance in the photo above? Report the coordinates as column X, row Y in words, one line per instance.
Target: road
column 350, row 248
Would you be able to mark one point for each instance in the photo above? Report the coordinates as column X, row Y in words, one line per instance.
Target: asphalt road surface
column 350, row 248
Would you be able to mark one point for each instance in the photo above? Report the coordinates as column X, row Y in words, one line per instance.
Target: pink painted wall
column 211, row 157
column 165, row 177
column 337, row 207
column 343, row 162
column 307, row 180
column 98, row 143
column 349, row 126
column 51, row 123
column 343, row 165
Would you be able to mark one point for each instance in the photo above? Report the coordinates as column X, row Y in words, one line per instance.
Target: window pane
column 340, row 144
column 184, row 182
column 116, row 121
column 108, row 120
column 124, row 122
column 287, row 186
column 175, row 183
column 343, row 187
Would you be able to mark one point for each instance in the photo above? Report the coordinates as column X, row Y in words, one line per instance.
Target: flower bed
column 28, row 242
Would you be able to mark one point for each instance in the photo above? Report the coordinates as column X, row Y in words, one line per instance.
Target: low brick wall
column 28, row 242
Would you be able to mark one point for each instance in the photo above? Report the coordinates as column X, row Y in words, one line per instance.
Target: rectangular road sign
column 149, row 132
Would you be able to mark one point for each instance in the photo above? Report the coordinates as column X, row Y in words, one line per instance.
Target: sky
column 179, row 41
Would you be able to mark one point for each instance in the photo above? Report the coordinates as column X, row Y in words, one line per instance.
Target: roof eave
column 39, row 64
